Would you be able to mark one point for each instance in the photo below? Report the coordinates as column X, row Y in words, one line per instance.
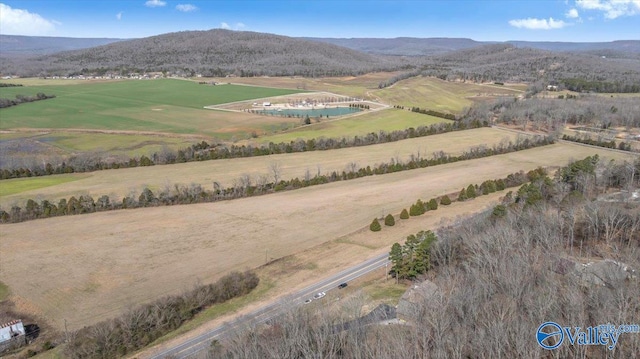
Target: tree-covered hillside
column 211, row 53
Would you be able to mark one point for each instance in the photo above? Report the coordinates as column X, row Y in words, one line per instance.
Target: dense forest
column 553, row 114
column 498, row 276
column 210, row 53
column 606, row 67
column 507, row 63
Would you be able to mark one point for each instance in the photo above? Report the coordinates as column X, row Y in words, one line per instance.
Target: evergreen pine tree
column 375, row 226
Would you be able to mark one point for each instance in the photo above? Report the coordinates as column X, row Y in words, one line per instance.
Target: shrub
column 432, row 204
column 389, row 220
column 463, row 195
column 375, row 226
column 471, row 192
column 417, row 208
column 499, row 211
column 445, row 200
column 404, row 214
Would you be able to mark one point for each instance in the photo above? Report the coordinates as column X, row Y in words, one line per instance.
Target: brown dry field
column 297, row 271
column 91, row 267
column 121, row 182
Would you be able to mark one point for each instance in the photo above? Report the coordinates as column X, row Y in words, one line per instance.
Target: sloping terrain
column 20, row 46
column 213, row 52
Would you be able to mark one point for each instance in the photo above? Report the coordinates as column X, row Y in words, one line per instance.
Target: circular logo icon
column 546, row 334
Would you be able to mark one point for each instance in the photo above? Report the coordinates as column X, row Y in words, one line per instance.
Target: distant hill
column 222, row 52
column 409, row 46
column 214, row 52
column 21, row 46
column 406, row 46
column 506, row 62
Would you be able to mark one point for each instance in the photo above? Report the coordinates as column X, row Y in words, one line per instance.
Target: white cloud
column 119, row 15
column 186, row 7
column 572, row 14
column 611, row 8
column 538, row 24
column 155, row 3
column 238, row 26
column 22, row 22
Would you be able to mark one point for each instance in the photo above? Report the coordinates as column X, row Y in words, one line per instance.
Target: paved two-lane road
column 200, row 344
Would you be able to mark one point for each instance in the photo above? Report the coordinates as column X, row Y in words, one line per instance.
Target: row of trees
column 400, row 77
column 423, row 111
column 363, row 106
column 600, row 143
column 5, row 102
column 4, row 84
column 244, row 186
column 584, row 85
column 472, row 191
column 495, row 277
column 140, row 326
column 204, row 151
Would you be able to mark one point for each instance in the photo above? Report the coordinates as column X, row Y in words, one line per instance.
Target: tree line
column 141, row 325
column 472, row 191
column 400, row 77
column 4, row 84
column 507, row 63
column 246, row 186
column 494, row 276
column 5, row 102
column 204, row 151
column 553, row 114
column 606, row 144
column 423, row 111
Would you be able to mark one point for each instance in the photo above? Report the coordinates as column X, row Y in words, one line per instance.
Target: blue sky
column 542, row 20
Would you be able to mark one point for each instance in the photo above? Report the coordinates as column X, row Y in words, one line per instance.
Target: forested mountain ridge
column 601, row 67
column 412, row 46
column 504, row 62
column 21, row 46
column 212, row 53
column 404, row 46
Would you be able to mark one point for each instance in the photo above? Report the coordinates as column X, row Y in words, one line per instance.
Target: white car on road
column 319, row 295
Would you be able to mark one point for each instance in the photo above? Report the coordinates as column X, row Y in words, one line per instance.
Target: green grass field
column 18, row 185
column 4, row 291
column 385, row 120
column 435, row 94
column 166, row 105
column 115, row 144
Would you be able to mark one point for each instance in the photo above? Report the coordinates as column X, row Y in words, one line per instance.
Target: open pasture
column 121, row 182
column 355, row 86
column 439, row 95
column 107, row 143
column 165, row 105
column 384, row 120
column 91, row 268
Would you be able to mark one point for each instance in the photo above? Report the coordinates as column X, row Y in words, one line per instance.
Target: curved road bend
column 199, row 344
